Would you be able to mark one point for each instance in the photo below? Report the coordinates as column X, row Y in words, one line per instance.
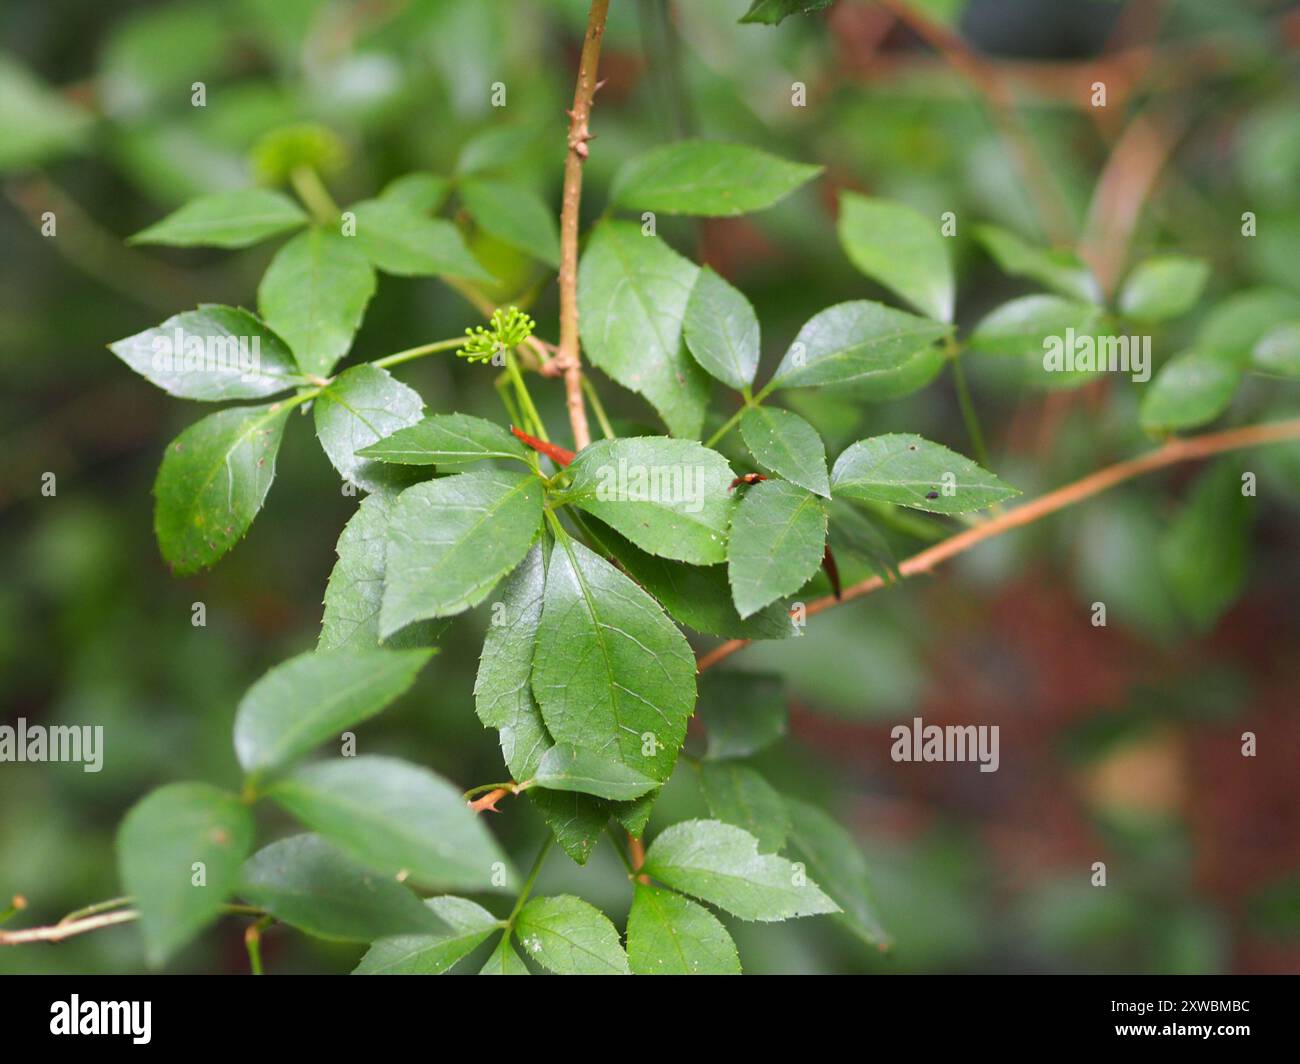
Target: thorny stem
column 637, row 851
column 1185, row 449
column 528, row 884
column 579, row 135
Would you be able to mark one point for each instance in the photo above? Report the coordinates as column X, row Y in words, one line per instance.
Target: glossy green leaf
column 514, row 214
column 213, row 479
column 503, row 699
column 737, row 794
column 404, row 241
column 911, row 376
column 178, row 852
column 721, row 330
column 1163, row 287
column 572, row 768
column 1190, row 389
column 314, row 294
column 772, row 12
column 418, row 191
column 356, row 584
column 834, row 858
column 611, row 672
column 310, row 884
column 446, row 440
column 910, row 471
column 435, row 954
column 786, row 444
column 707, row 178
column 451, row 541
column 232, row 219
column 667, row 496
column 697, row 596
column 1205, row 551
column 362, row 405
column 394, row 817
column 1060, row 270
column 720, row 863
column 851, row 343
column 569, row 936
column 1278, row 351
column 671, row 935
column 778, row 536
column 742, row 712
column 213, row 353
column 504, row 960
column 632, row 296
column 899, row 247
column 311, row 698
column 1022, row 326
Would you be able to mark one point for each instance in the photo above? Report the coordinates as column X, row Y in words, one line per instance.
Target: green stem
column 253, row 943
column 528, row 885
column 590, row 391
column 313, row 193
column 734, row 420
column 412, row 353
column 97, row 907
column 474, row 792
column 968, row 408
column 525, row 400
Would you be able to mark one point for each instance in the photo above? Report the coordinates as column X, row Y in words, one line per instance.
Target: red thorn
column 561, row 456
column 489, row 801
column 832, row 571
column 748, row 478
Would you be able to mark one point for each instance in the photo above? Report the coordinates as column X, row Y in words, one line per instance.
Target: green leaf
column 721, row 330
column 213, row 353
column 36, row 122
column 453, row 539
column 720, row 864
column 900, row 248
column 1020, row 327
column 907, row 470
column 178, row 852
column 446, row 440
column 738, row 795
column 834, row 858
column 311, row 698
column 571, row 768
column 914, row 374
column 851, row 343
column 309, row 884
column 668, row 496
column 632, row 296
column 1060, row 270
column 314, row 294
column 707, row 178
column 1205, row 551
column 742, row 712
column 697, row 596
column 356, row 584
column 419, row 192
column 432, row 954
column 778, row 536
column 611, row 673
column 1163, row 287
column 361, row 406
column 504, row 960
column 1278, row 351
column 671, row 935
column 514, row 214
column 404, row 241
column 503, row 699
column 1233, row 328
column 568, row 936
column 232, row 219
column 213, row 479
column 1190, row 389
column 774, row 11
column 394, row 817
column 786, row 444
